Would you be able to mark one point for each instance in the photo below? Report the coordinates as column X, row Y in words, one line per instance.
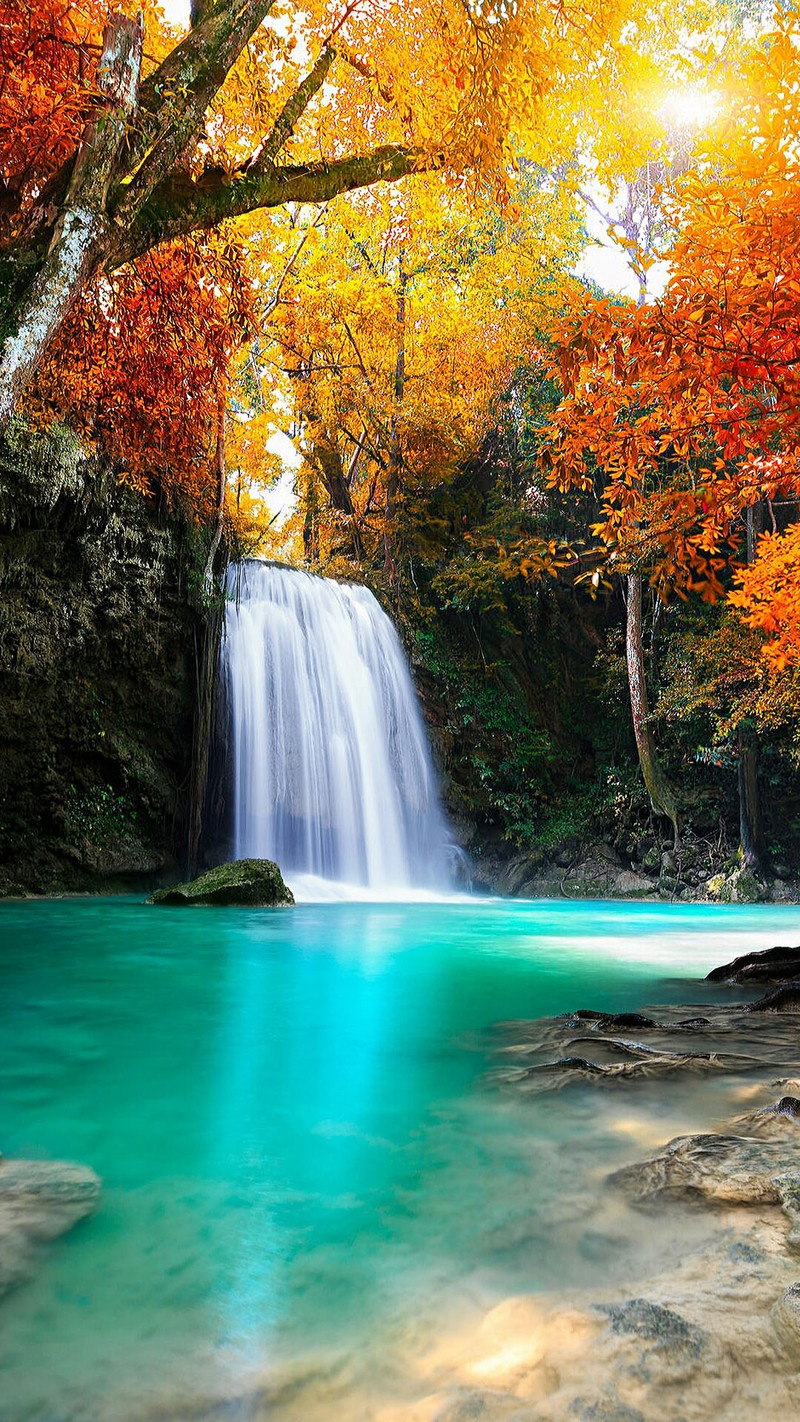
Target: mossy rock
column 257, row 883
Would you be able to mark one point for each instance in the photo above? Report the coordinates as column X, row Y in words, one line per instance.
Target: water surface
column 302, row 1156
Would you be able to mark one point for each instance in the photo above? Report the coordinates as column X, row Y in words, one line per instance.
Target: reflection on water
column 300, row 1153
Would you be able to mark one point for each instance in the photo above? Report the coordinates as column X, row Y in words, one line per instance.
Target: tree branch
column 290, row 113
column 175, row 97
column 179, row 205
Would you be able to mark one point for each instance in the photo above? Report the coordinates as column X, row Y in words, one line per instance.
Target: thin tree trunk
column 751, row 830
column 81, row 235
column 659, row 789
column 395, row 451
column 219, row 466
column 206, row 669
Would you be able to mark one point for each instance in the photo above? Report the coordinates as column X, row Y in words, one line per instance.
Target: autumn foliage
column 260, row 105
column 49, row 59
column 685, row 414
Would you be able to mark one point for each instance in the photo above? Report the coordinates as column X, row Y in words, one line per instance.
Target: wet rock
column 606, row 852
column 737, row 887
column 608, row 1020
column 786, row 1319
column 721, row 1169
column 255, row 883
column 605, row 1409
column 517, row 872
column 664, row 1348
column 628, row 1019
column 39, row 1200
column 783, row 999
column 788, row 1187
column 600, row 1247
column 630, row 885
column 773, row 965
column 643, row 1063
column 652, row 1321
column 778, row 1121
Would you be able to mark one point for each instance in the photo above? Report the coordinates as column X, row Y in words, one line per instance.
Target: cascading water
column 332, row 775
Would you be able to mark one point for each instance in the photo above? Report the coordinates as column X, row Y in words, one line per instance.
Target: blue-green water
column 299, row 1149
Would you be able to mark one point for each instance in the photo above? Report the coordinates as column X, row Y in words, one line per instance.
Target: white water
column 332, row 773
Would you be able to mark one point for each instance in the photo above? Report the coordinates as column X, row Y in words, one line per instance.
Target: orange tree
column 685, row 415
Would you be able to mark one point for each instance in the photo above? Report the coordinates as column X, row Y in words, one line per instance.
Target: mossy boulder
column 257, row 883
column 739, row 887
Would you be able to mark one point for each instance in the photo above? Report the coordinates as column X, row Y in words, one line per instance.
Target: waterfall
column 332, row 775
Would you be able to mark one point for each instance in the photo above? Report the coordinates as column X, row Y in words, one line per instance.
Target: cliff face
column 99, row 622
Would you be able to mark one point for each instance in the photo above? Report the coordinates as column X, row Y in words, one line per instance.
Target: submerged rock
column 786, row 1319
column 782, row 999
column 721, row 1169
column 641, row 1062
column 256, row 883
column 39, row 1200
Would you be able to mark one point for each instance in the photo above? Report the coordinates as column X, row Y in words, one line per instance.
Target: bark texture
column 751, row 829
column 662, row 797
column 80, row 237
column 129, row 189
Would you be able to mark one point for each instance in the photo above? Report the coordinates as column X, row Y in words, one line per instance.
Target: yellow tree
column 393, row 322
column 263, row 102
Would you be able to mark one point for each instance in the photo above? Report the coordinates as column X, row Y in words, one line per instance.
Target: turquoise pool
column 304, row 1164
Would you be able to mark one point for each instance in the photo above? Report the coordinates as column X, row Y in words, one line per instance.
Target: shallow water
column 302, row 1155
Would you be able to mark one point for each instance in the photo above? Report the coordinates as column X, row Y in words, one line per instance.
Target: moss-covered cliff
column 99, row 624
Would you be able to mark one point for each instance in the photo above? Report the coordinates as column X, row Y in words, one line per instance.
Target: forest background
column 356, row 229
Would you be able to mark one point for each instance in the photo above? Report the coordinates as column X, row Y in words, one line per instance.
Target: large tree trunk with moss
column 80, row 236
column 662, row 797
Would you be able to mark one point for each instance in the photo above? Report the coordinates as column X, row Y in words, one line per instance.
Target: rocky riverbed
column 696, row 873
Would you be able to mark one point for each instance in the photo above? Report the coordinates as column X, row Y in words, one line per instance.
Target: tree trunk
column 658, row 787
column 327, row 460
column 395, row 451
column 81, row 234
column 206, row 669
column 221, row 483
column 751, row 831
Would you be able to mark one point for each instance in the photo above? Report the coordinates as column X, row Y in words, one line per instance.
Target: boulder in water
column 255, row 883
column 772, row 965
column 39, row 1200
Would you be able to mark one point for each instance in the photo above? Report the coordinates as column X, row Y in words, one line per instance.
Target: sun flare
column 690, row 107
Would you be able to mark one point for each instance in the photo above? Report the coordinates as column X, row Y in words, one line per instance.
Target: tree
column 399, row 324
column 151, row 138
column 688, row 409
